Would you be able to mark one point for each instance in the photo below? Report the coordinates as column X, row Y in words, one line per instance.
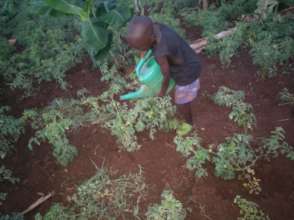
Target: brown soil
column 207, row 198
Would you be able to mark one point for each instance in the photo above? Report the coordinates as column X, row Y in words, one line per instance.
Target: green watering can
column 150, row 76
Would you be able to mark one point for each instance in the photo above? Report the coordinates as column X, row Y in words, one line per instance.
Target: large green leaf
column 67, row 8
column 116, row 17
column 94, row 37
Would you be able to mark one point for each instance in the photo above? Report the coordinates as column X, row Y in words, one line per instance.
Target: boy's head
column 140, row 33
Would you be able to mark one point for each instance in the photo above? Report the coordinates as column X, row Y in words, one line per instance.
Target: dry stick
column 37, row 203
column 285, row 119
column 199, row 44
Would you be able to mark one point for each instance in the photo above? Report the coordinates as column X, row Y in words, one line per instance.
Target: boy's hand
column 142, row 53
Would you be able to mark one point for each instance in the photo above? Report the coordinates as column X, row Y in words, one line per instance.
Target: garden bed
column 206, row 198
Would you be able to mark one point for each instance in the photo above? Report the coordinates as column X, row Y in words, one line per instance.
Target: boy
column 175, row 57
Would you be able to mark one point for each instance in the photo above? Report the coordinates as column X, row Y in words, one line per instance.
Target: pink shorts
column 186, row 94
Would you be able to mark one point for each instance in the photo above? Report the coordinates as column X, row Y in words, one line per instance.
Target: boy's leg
column 184, row 112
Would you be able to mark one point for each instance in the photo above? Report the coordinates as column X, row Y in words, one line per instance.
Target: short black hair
column 139, row 26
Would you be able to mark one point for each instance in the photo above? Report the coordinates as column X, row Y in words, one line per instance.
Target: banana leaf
column 117, row 17
column 67, row 8
column 94, row 37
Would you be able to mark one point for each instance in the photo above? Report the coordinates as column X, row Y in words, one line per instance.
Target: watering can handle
column 143, row 60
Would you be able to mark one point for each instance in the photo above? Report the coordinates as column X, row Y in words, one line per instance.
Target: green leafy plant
column 52, row 123
column 14, row 216
column 190, row 147
column 242, row 113
column 56, row 212
column 169, row 208
column 266, row 7
column 96, row 20
column 249, row 210
column 29, row 61
column 276, row 145
column 228, row 46
column 103, row 196
column 234, row 155
column 6, row 176
column 286, row 97
column 258, row 26
column 10, row 130
column 268, row 52
column 165, row 12
column 147, row 114
column 51, row 126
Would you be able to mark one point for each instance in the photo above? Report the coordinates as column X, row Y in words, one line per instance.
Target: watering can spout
column 140, row 93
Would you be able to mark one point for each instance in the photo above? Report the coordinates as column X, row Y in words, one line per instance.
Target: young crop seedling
column 242, row 112
column 286, row 97
column 53, row 122
column 249, row 210
column 228, row 97
column 169, row 208
column 234, row 155
column 276, row 145
column 103, row 196
column 190, row 147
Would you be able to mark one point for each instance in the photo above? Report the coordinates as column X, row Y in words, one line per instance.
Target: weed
column 250, row 182
column 286, row 97
column 169, row 208
column 249, row 210
column 103, row 196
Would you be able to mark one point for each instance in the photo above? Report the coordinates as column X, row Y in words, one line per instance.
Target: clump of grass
column 103, row 196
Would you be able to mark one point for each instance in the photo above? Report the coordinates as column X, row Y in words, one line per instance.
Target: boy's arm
column 164, row 67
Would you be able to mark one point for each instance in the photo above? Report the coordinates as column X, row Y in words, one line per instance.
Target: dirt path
column 208, row 198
